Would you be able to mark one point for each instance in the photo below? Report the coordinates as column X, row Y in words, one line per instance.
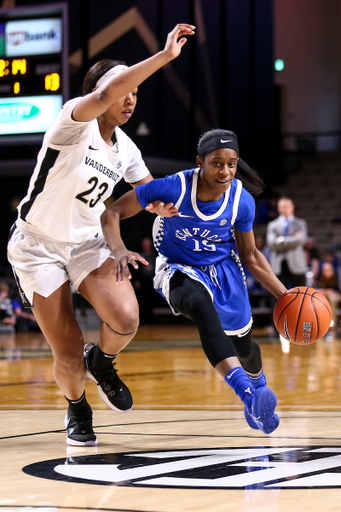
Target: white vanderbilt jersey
column 76, row 172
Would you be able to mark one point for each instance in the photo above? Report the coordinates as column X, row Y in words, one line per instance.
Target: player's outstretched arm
column 118, row 86
column 257, row 264
column 158, row 207
column 126, row 206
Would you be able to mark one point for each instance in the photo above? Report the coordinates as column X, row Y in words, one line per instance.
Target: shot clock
column 33, row 70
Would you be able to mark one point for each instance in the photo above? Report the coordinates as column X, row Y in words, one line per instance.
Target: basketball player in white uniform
column 198, row 271
column 57, row 239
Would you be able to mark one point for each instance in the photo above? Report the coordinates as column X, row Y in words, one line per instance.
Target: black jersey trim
column 13, row 228
column 25, row 302
column 48, row 162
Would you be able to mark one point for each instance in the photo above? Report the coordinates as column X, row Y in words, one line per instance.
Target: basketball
column 302, row 315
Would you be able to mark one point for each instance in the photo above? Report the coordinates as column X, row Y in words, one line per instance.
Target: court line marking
column 209, row 436
column 125, row 375
column 160, row 407
column 163, row 434
column 57, row 507
column 28, row 383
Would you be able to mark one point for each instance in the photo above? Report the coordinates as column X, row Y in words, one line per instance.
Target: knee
column 250, row 352
column 243, row 352
column 246, row 347
column 70, row 363
column 125, row 323
column 201, row 306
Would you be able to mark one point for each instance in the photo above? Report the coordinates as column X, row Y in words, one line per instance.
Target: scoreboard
column 33, row 70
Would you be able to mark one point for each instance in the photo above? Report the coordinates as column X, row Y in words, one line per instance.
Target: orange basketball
column 302, row 315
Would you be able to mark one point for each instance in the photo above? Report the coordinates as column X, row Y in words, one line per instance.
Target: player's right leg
column 39, row 268
column 57, row 322
column 117, row 306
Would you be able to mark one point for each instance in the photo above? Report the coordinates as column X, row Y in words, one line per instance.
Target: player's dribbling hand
column 175, row 39
column 123, row 258
column 162, row 209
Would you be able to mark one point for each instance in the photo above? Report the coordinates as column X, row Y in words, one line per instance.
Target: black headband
column 223, row 141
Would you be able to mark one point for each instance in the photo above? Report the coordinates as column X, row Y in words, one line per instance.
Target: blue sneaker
column 260, row 413
column 249, row 419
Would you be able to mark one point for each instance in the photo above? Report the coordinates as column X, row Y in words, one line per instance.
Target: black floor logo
column 219, row 468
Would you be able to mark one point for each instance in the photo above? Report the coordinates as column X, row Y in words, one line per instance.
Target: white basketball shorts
column 41, row 264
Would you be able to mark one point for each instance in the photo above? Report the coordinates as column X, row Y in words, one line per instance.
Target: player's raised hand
column 162, row 209
column 176, row 40
column 123, row 258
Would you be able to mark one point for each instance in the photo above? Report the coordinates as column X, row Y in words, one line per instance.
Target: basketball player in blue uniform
column 198, row 270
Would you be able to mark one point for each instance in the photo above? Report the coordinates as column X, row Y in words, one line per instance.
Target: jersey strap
column 158, row 226
column 236, row 201
column 183, row 189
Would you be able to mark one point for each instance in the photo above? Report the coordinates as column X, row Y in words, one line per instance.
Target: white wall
column 308, row 39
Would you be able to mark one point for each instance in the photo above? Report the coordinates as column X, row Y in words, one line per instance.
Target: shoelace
column 108, row 380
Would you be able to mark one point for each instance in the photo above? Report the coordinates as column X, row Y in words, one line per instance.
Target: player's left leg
column 117, row 307
column 249, row 355
column 192, row 299
column 232, row 303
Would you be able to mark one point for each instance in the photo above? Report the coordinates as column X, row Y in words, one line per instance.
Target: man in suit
column 286, row 237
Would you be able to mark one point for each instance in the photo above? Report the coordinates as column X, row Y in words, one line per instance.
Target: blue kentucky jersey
column 203, row 232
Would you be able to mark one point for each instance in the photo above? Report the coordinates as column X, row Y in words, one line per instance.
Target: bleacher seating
column 316, row 192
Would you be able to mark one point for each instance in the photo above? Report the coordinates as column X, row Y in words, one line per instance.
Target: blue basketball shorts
column 225, row 282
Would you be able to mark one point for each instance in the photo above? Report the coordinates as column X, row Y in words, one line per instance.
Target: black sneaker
column 79, row 431
column 110, row 387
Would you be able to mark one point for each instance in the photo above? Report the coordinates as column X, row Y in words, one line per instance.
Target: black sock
column 99, row 361
column 79, row 406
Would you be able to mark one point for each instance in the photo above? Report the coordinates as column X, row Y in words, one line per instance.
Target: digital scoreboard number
column 33, row 69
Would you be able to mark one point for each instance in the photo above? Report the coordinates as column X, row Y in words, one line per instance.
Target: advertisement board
column 33, row 70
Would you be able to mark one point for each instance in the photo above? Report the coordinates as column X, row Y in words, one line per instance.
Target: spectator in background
column 261, row 245
column 328, row 257
column 12, row 313
column 312, row 258
column 7, row 316
column 267, row 211
column 286, row 237
column 25, row 320
column 327, row 283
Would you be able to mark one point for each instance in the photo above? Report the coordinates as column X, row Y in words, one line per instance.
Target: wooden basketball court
column 185, row 446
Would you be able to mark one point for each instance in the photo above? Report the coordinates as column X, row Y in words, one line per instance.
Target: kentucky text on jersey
column 101, row 168
column 198, row 232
